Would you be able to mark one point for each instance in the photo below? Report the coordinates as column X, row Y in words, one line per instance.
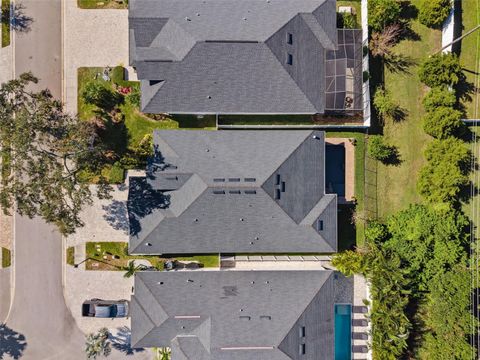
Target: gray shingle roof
column 234, row 192
column 223, row 313
column 229, row 56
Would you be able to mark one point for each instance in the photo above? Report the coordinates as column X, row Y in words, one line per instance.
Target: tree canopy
column 46, row 151
column 382, row 13
column 441, row 70
column 433, row 13
column 443, row 122
column 437, row 97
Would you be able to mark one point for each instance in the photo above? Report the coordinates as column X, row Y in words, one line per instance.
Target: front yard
column 114, row 256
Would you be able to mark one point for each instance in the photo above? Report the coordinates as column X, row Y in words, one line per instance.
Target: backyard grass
column 6, row 258
column 470, row 51
column 103, row 4
column 396, row 185
column 5, row 22
column 117, row 257
column 71, row 255
column 357, row 5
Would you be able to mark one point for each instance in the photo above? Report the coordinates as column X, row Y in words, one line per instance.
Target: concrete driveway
column 91, row 38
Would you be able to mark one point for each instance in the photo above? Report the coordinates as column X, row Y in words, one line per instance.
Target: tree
column 382, row 13
column 97, row 344
column 349, row 262
column 131, row 269
column 97, row 93
column 446, row 172
column 443, row 122
column 437, row 97
column 382, row 42
column 378, row 150
column 441, row 70
column 385, row 105
column 47, row 151
column 433, row 13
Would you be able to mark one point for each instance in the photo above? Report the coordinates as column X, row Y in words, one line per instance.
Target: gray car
column 105, row 308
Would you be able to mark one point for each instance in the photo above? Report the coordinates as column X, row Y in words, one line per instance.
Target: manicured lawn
column 6, row 257
column 71, row 255
column 102, row 4
column 470, row 51
column 117, row 257
column 5, row 22
column 396, row 185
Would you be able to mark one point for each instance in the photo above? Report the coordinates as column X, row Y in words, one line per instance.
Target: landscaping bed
column 102, row 4
column 114, row 256
column 5, row 22
column 71, row 255
column 6, row 258
column 124, row 129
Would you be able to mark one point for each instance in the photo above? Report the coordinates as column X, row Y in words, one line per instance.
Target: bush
column 378, row 150
column 349, row 262
column 346, row 21
column 450, row 150
column 134, row 97
column 384, row 104
column 382, row 13
column 101, row 95
column 117, row 174
column 438, row 97
column 441, row 69
column 443, row 122
column 433, row 13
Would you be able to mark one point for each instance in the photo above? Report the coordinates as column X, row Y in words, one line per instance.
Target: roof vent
column 187, row 18
column 148, row 244
column 195, row 220
column 265, row 317
column 244, row 317
column 316, row 137
column 209, row 97
column 189, row 280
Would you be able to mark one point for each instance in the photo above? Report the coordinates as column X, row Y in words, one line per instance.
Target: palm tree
column 98, row 344
column 163, row 353
column 131, row 269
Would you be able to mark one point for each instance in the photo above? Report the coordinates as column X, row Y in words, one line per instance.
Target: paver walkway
column 91, row 38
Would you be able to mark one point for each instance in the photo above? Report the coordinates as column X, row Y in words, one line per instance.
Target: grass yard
column 396, row 186
column 357, row 5
column 5, row 22
column 117, row 257
column 6, row 258
column 470, row 52
column 346, row 229
column 102, row 4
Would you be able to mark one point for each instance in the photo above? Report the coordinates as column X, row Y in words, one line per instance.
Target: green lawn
column 396, row 185
column 470, row 51
column 357, row 5
column 102, row 4
column 6, row 257
column 117, row 257
column 5, row 22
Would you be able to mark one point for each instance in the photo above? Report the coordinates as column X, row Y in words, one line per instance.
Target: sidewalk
column 91, row 38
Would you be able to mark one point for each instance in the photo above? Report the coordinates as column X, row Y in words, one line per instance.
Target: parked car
column 105, row 308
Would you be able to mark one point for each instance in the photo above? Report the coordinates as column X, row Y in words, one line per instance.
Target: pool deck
column 361, row 291
column 349, row 167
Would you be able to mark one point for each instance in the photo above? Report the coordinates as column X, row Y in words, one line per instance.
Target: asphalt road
column 39, row 49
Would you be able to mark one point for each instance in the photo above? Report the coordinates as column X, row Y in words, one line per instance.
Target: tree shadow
column 399, row 114
column 19, row 21
column 12, row 343
column 408, row 12
column 465, row 89
column 398, row 63
column 116, row 215
column 394, row 159
column 143, row 200
column 121, row 341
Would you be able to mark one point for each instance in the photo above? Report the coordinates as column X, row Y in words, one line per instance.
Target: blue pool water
column 343, row 332
column 335, row 169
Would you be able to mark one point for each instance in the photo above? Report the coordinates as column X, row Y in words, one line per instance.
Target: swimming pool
column 335, row 169
column 343, row 332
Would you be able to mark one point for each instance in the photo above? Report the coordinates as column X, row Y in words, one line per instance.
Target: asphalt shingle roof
column 235, row 315
column 229, row 56
column 234, row 192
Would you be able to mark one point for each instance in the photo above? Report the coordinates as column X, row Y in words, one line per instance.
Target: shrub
column 433, row 13
column 443, row 122
column 451, row 150
column 378, row 150
column 349, row 262
column 382, row 13
column 117, row 174
column 441, row 69
column 346, row 20
column 384, row 104
column 101, row 95
column 134, row 97
column 438, row 97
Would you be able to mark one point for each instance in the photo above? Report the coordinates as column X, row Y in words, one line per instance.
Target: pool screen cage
column 344, row 74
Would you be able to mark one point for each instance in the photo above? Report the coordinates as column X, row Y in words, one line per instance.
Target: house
column 233, row 192
column 241, row 315
column 244, row 57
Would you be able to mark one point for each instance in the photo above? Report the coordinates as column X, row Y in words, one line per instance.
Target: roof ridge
column 317, row 30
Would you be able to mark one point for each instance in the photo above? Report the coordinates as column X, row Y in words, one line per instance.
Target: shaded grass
column 396, row 187
column 470, row 51
column 6, row 258
column 5, row 22
column 117, row 257
column 71, row 255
